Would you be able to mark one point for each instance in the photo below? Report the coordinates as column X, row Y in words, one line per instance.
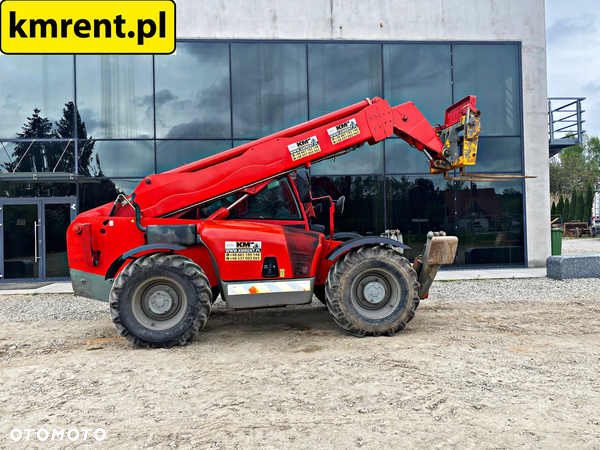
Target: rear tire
column 373, row 291
column 160, row 300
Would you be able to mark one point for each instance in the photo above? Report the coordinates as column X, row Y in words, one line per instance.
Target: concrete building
column 245, row 69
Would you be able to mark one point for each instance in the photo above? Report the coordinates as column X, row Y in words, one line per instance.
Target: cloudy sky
column 573, row 46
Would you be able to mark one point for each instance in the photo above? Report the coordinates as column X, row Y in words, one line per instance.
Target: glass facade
column 115, row 119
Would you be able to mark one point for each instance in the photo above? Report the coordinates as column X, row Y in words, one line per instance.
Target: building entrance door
column 33, row 244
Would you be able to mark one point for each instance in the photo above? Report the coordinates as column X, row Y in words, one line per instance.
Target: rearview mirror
column 339, row 204
column 303, row 185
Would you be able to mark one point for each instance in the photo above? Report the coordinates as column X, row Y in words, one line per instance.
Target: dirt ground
column 498, row 374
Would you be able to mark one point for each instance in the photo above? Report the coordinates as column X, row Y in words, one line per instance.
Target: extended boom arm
column 447, row 147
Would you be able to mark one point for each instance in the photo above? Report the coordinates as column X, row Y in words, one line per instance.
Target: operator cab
column 276, row 202
column 285, row 201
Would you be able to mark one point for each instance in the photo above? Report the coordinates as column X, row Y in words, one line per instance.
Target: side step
column 264, row 293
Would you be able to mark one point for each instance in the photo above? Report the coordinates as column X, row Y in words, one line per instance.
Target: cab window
column 276, row 201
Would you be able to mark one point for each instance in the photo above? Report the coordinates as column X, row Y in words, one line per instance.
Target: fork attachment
column 483, row 177
column 460, row 136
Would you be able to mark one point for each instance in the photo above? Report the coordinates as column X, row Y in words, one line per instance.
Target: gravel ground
column 518, row 289
column 50, row 307
column 580, row 246
column 497, row 364
column 59, row 307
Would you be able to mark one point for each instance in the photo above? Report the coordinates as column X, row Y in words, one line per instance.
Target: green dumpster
column 556, row 241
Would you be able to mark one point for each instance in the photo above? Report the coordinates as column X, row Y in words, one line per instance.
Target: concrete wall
column 437, row 20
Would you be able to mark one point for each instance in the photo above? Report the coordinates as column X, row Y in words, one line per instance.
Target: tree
column 561, row 206
column 49, row 156
column 553, row 208
column 567, row 211
column 32, row 156
column 581, row 207
column 88, row 165
column 574, row 206
column 589, row 199
column 575, row 166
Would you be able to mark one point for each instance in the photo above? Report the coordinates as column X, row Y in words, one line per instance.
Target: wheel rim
column 159, row 304
column 376, row 294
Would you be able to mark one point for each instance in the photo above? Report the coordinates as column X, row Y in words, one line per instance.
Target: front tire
column 373, row 291
column 160, row 300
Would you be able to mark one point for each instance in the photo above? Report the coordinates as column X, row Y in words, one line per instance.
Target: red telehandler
column 238, row 224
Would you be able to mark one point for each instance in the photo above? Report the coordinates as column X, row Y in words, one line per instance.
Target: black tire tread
column 342, row 265
column 186, row 267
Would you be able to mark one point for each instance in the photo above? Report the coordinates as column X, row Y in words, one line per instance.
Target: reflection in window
column 276, row 201
column 416, row 205
column 57, row 218
column 101, row 192
column 365, row 160
column 36, row 189
column 490, row 72
column 501, row 154
column 116, row 158
column 192, row 92
column 172, row 154
column 341, row 75
column 402, row 158
column 30, row 156
column 490, row 223
column 31, row 82
column 486, row 217
column 363, row 212
column 114, row 95
column 268, row 87
column 419, row 73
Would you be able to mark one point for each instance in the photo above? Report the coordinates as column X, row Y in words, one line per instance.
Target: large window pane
column 402, row 158
column 57, row 218
column 30, row 156
column 363, row 212
column 36, row 189
column 192, row 92
column 342, row 74
column 171, row 154
column 491, row 72
column 498, row 155
column 20, row 241
column 417, row 205
column 116, row 158
column 115, row 96
column 490, row 223
column 92, row 195
column 501, row 154
column 365, row 160
column 268, row 87
column 419, row 73
column 33, row 82
column 486, row 217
